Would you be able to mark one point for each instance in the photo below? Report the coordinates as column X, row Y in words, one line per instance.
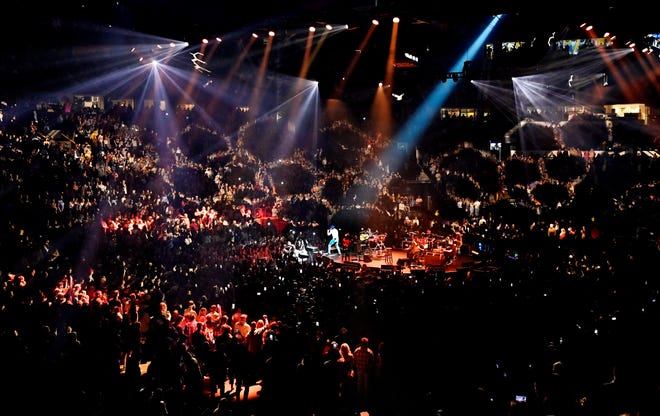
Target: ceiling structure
column 433, row 30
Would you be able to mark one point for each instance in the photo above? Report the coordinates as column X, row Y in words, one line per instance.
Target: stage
column 402, row 261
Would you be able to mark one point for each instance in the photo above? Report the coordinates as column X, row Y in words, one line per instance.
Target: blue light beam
column 421, row 119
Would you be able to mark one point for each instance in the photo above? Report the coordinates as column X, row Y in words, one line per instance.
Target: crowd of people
column 128, row 287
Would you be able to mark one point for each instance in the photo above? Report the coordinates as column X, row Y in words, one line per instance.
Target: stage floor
column 401, row 262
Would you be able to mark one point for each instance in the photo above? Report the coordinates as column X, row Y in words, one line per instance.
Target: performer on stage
column 347, row 244
column 363, row 244
column 347, row 241
column 334, row 239
column 300, row 250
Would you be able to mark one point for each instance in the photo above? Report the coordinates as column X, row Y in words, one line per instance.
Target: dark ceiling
column 438, row 12
column 185, row 20
column 433, row 27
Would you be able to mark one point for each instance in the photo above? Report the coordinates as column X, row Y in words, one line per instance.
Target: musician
column 297, row 249
column 334, row 239
column 414, row 252
column 347, row 243
column 364, row 237
column 300, row 249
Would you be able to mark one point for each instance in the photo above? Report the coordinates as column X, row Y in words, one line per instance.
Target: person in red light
column 346, row 243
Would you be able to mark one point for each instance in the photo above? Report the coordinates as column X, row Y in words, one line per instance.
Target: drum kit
column 431, row 249
column 377, row 244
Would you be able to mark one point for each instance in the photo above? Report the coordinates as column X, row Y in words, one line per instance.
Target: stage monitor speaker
column 434, row 260
column 389, row 267
column 366, row 258
column 402, row 262
column 351, row 266
column 418, row 273
column 436, row 270
column 462, row 272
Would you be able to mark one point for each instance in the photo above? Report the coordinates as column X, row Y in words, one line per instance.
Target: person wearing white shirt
column 334, row 239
